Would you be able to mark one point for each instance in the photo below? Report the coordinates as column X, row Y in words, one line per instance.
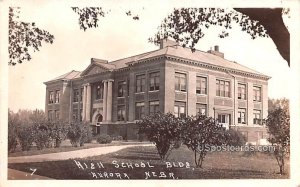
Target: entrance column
column 104, row 99
column 84, row 103
column 88, row 102
column 109, row 100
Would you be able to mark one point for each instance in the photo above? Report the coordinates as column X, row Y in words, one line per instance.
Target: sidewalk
column 82, row 153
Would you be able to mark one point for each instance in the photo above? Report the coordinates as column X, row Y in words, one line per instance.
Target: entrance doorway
column 98, row 123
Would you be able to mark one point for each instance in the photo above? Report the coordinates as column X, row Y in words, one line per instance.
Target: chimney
column 167, row 43
column 216, row 51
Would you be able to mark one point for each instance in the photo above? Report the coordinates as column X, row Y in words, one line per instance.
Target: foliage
column 79, row 133
column 59, row 132
column 118, row 138
column 234, row 138
column 24, row 37
column 42, row 138
column 163, row 130
column 278, row 124
column 188, row 25
column 26, row 137
column 278, row 103
column 88, row 16
column 199, row 133
column 103, row 139
column 13, row 123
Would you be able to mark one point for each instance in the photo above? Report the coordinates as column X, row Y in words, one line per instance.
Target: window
column 57, row 96
column 201, row 83
column 242, row 115
column 51, row 97
column 56, row 115
column 154, row 81
column 242, row 91
column 223, row 88
column 121, row 113
column 81, row 115
column 154, row 107
column 256, row 93
column 75, row 114
column 179, row 109
column 140, row 83
column 76, row 95
column 99, row 91
column 180, row 82
column 81, row 95
column 50, row 115
column 224, row 118
column 121, row 88
column 139, row 110
column 200, row 109
column 257, row 117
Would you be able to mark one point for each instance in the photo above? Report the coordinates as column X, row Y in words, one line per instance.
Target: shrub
column 162, row 129
column 26, row 137
column 235, row 138
column 42, row 139
column 104, row 139
column 59, row 132
column 79, row 133
column 200, row 132
column 118, row 138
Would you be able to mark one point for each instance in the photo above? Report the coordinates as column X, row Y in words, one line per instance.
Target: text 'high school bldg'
column 114, row 95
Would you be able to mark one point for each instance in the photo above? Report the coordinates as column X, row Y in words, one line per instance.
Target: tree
column 88, row 16
column 199, row 133
column 187, row 25
column 278, row 124
column 278, row 103
column 163, row 130
column 23, row 38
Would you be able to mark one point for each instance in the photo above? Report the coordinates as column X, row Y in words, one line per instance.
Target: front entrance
column 98, row 124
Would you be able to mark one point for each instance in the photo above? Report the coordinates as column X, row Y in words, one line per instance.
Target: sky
column 119, row 36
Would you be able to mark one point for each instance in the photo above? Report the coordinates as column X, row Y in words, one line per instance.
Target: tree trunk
column 272, row 21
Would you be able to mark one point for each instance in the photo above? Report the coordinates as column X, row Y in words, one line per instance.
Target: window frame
column 140, row 85
column 242, row 116
column 155, row 106
column 223, row 88
column 200, row 81
column 257, row 93
column 121, row 112
column 199, row 107
column 242, row 95
column 122, row 88
column 257, row 121
column 180, row 78
column 51, row 99
column 155, row 76
column 139, row 110
column 57, row 96
column 99, row 89
column 75, row 95
column 180, row 105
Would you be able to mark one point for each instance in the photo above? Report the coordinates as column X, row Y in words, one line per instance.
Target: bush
column 161, row 129
column 118, row 138
column 79, row 133
column 59, row 132
column 104, row 139
column 235, row 138
column 26, row 137
column 42, row 139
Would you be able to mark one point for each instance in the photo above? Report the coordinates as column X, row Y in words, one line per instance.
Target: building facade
column 112, row 96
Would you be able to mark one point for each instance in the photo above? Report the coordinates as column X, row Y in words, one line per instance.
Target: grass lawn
column 66, row 146
column 217, row 165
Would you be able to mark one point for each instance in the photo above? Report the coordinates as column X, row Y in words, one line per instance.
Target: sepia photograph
column 149, row 90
